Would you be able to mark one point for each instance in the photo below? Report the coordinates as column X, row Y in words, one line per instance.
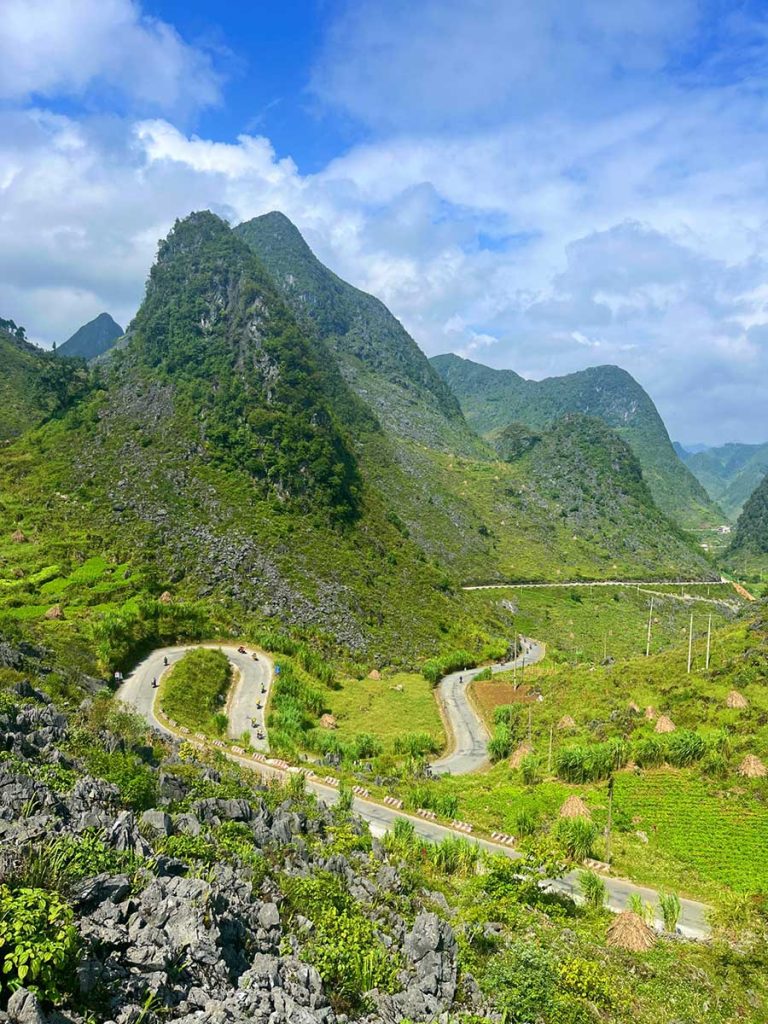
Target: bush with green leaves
column 343, row 945
column 38, row 941
column 501, row 743
column 590, row 763
column 59, row 863
column 416, row 744
column 530, row 769
column 522, row 981
column 577, row 836
column 669, row 905
column 593, row 889
column 135, row 779
column 195, row 690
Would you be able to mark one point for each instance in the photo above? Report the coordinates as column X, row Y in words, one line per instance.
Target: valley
column 471, row 612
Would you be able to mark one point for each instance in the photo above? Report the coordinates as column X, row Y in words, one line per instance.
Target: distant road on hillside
column 596, row 583
column 467, row 731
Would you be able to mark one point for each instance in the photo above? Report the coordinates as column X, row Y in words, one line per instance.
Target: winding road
column 469, row 750
column 254, row 676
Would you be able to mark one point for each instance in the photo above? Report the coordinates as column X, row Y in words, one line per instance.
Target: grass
column 378, row 707
column 194, row 692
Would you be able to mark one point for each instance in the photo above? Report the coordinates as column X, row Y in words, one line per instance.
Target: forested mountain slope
column 377, row 356
column 32, row 384
column 221, row 455
column 748, row 549
column 492, row 399
column 92, row 339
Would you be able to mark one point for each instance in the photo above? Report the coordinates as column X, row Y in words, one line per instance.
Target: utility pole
column 648, row 641
column 530, row 722
column 549, row 758
column 609, row 821
column 709, row 638
column 690, row 644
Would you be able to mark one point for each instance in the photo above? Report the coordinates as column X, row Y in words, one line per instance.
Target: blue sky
column 541, row 186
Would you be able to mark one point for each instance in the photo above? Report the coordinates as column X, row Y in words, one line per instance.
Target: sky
column 542, row 186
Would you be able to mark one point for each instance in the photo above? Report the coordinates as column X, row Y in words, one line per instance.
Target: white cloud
column 78, row 47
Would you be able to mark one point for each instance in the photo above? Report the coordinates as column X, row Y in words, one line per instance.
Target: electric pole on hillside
column 709, row 639
column 530, row 723
column 609, row 821
column 549, row 758
column 690, row 644
column 648, row 641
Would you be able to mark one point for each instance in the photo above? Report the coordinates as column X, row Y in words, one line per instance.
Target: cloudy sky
column 543, row 186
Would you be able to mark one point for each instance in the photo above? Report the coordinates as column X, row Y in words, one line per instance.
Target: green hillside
column 92, row 339
column 748, row 550
column 222, row 456
column 378, row 358
column 33, row 385
column 730, row 473
column 492, row 399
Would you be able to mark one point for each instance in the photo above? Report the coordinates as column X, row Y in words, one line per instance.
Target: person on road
column 165, row 661
column 154, row 684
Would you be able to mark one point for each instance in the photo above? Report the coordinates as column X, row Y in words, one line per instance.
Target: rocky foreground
column 197, row 939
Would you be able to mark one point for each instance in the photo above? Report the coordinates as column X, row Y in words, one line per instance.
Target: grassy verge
column 195, row 691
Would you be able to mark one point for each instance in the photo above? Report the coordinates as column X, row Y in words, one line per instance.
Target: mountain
column 92, row 339
column 586, row 483
column 749, row 541
column 729, row 473
column 223, row 454
column 376, row 355
column 33, row 385
column 492, row 399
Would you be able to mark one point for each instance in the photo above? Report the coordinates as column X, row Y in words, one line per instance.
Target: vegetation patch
column 194, row 692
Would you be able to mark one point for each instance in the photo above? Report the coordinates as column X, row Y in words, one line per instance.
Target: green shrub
column 591, row 763
column 593, row 889
column 684, row 748
column 65, row 860
column 530, row 769
column 135, row 779
column 650, row 752
column 588, row 980
column 195, row 690
column 669, row 905
column 343, row 946
column 526, row 823
column 455, row 856
column 38, row 941
column 500, row 744
column 522, row 981
column 416, row 744
column 577, row 837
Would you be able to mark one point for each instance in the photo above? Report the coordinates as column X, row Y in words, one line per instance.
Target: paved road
column 467, row 731
column 252, row 681
column 137, row 692
column 597, row 583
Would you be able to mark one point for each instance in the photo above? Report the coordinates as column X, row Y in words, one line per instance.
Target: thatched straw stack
column 165, row 597
column 752, row 768
column 651, row 714
column 574, row 807
column 55, row 612
column 374, row 674
column 566, row 722
column 629, row 931
column 736, row 700
column 328, row 722
column 665, row 724
column 18, row 537
column 634, row 708
column 517, row 757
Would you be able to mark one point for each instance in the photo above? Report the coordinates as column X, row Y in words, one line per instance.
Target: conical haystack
column 736, row 700
column 517, row 757
column 752, row 768
column 55, row 612
column 651, row 714
column 165, row 597
column 574, row 807
column 566, row 722
column 374, row 674
column 328, row 722
column 634, row 708
column 665, row 724
column 18, row 537
column 629, row 931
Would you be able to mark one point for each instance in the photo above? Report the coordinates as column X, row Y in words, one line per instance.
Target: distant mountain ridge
column 376, row 355
column 749, row 541
column 492, row 399
column 92, row 339
column 730, row 472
